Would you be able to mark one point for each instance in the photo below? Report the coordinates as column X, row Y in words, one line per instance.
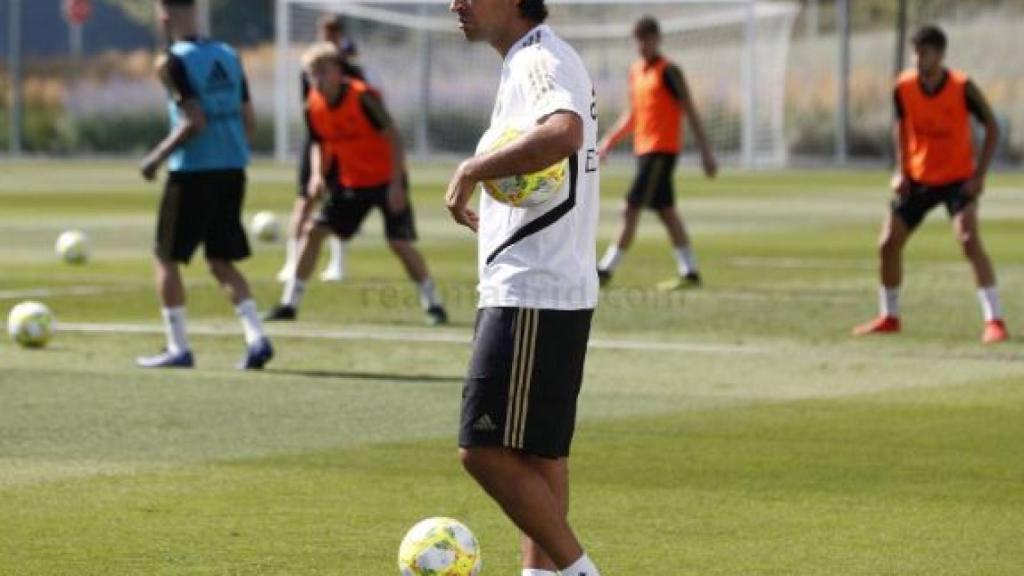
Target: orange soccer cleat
column 880, row 325
column 995, row 332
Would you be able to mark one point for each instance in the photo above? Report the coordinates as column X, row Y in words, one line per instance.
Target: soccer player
column 330, row 29
column 936, row 165
column 358, row 160
column 659, row 102
column 538, row 286
column 207, row 151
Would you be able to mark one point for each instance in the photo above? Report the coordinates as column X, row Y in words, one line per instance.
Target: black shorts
column 345, row 209
column 653, row 187
column 202, row 208
column 524, row 380
column 922, row 199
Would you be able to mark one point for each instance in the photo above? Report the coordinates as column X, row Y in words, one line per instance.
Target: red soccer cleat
column 995, row 332
column 880, row 325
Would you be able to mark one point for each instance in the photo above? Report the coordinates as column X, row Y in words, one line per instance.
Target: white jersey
column 544, row 256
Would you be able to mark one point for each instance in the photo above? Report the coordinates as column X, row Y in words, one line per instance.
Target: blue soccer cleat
column 257, row 356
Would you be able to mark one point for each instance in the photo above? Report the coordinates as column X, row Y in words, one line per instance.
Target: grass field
column 737, row 430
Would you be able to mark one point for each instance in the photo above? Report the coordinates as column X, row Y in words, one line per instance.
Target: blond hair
column 321, row 52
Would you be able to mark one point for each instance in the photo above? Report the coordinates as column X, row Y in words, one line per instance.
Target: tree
column 236, row 21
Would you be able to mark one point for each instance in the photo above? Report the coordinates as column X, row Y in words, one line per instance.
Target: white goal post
column 440, row 89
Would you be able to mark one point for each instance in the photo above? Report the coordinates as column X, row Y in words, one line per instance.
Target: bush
column 47, row 130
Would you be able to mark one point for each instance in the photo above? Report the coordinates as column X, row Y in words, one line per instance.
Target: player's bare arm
column 975, row 186
column 706, row 153
column 249, row 118
column 900, row 181
column 193, row 122
column 622, row 128
column 553, row 139
column 398, row 196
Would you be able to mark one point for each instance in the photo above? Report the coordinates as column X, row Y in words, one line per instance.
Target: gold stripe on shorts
column 514, row 376
column 524, row 347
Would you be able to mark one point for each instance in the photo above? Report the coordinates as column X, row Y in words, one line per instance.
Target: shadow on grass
column 369, row 376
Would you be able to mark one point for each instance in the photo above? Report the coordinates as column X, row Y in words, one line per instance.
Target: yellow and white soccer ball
column 31, row 324
column 73, row 247
column 266, row 227
column 525, row 190
column 439, row 547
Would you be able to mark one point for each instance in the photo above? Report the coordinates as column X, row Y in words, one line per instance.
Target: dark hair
column 332, row 23
column 533, row 10
column 178, row 2
column 646, row 26
column 930, row 35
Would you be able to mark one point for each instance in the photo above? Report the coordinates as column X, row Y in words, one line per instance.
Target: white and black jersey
column 545, row 256
column 538, row 280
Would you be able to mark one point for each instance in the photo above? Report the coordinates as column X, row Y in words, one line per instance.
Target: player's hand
column 315, row 186
column 398, row 197
column 149, row 168
column 603, row 152
column 975, row 186
column 460, row 192
column 900, row 185
column 710, row 166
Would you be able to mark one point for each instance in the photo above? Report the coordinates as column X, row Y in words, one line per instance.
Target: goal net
column 440, row 89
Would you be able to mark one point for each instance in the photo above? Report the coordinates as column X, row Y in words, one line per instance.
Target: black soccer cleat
column 689, row 281
column 437, row 316
column 604, row 277
column 281, row 313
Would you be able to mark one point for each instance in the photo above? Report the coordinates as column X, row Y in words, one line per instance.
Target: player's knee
column 470, row 460
column 399, row 246
column 969, row 243
column 890, row 245
column 219, row 268
column 477, row 461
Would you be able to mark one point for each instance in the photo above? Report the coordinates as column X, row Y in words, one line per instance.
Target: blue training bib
column 216, row 76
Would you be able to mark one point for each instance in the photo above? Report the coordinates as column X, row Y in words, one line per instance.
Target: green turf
column 734, row 430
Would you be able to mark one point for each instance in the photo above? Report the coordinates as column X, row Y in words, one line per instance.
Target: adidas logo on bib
column 219, row 80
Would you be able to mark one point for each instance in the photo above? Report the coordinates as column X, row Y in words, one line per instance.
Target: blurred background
column 77, row 74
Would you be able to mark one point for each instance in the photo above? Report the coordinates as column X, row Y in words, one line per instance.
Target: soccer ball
column 525, row 190
column 266, row 226
column 31, row 324
column 73, row 247
column 439, row 547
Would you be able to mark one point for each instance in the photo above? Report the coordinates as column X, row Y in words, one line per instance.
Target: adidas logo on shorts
column 485, row 424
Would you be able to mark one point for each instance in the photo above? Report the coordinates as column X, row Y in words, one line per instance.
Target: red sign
column 77, row 11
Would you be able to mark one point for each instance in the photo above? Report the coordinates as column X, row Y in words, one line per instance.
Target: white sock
column 337, row 261
column 428, row 294
column 889, row 302
column 538, row 572
column 686, row 260
column 612, row 258
column 291, row 253
column 581, row 567
column 294, row 290
column 990, row 305
column 174, row 328
column 250, row 318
